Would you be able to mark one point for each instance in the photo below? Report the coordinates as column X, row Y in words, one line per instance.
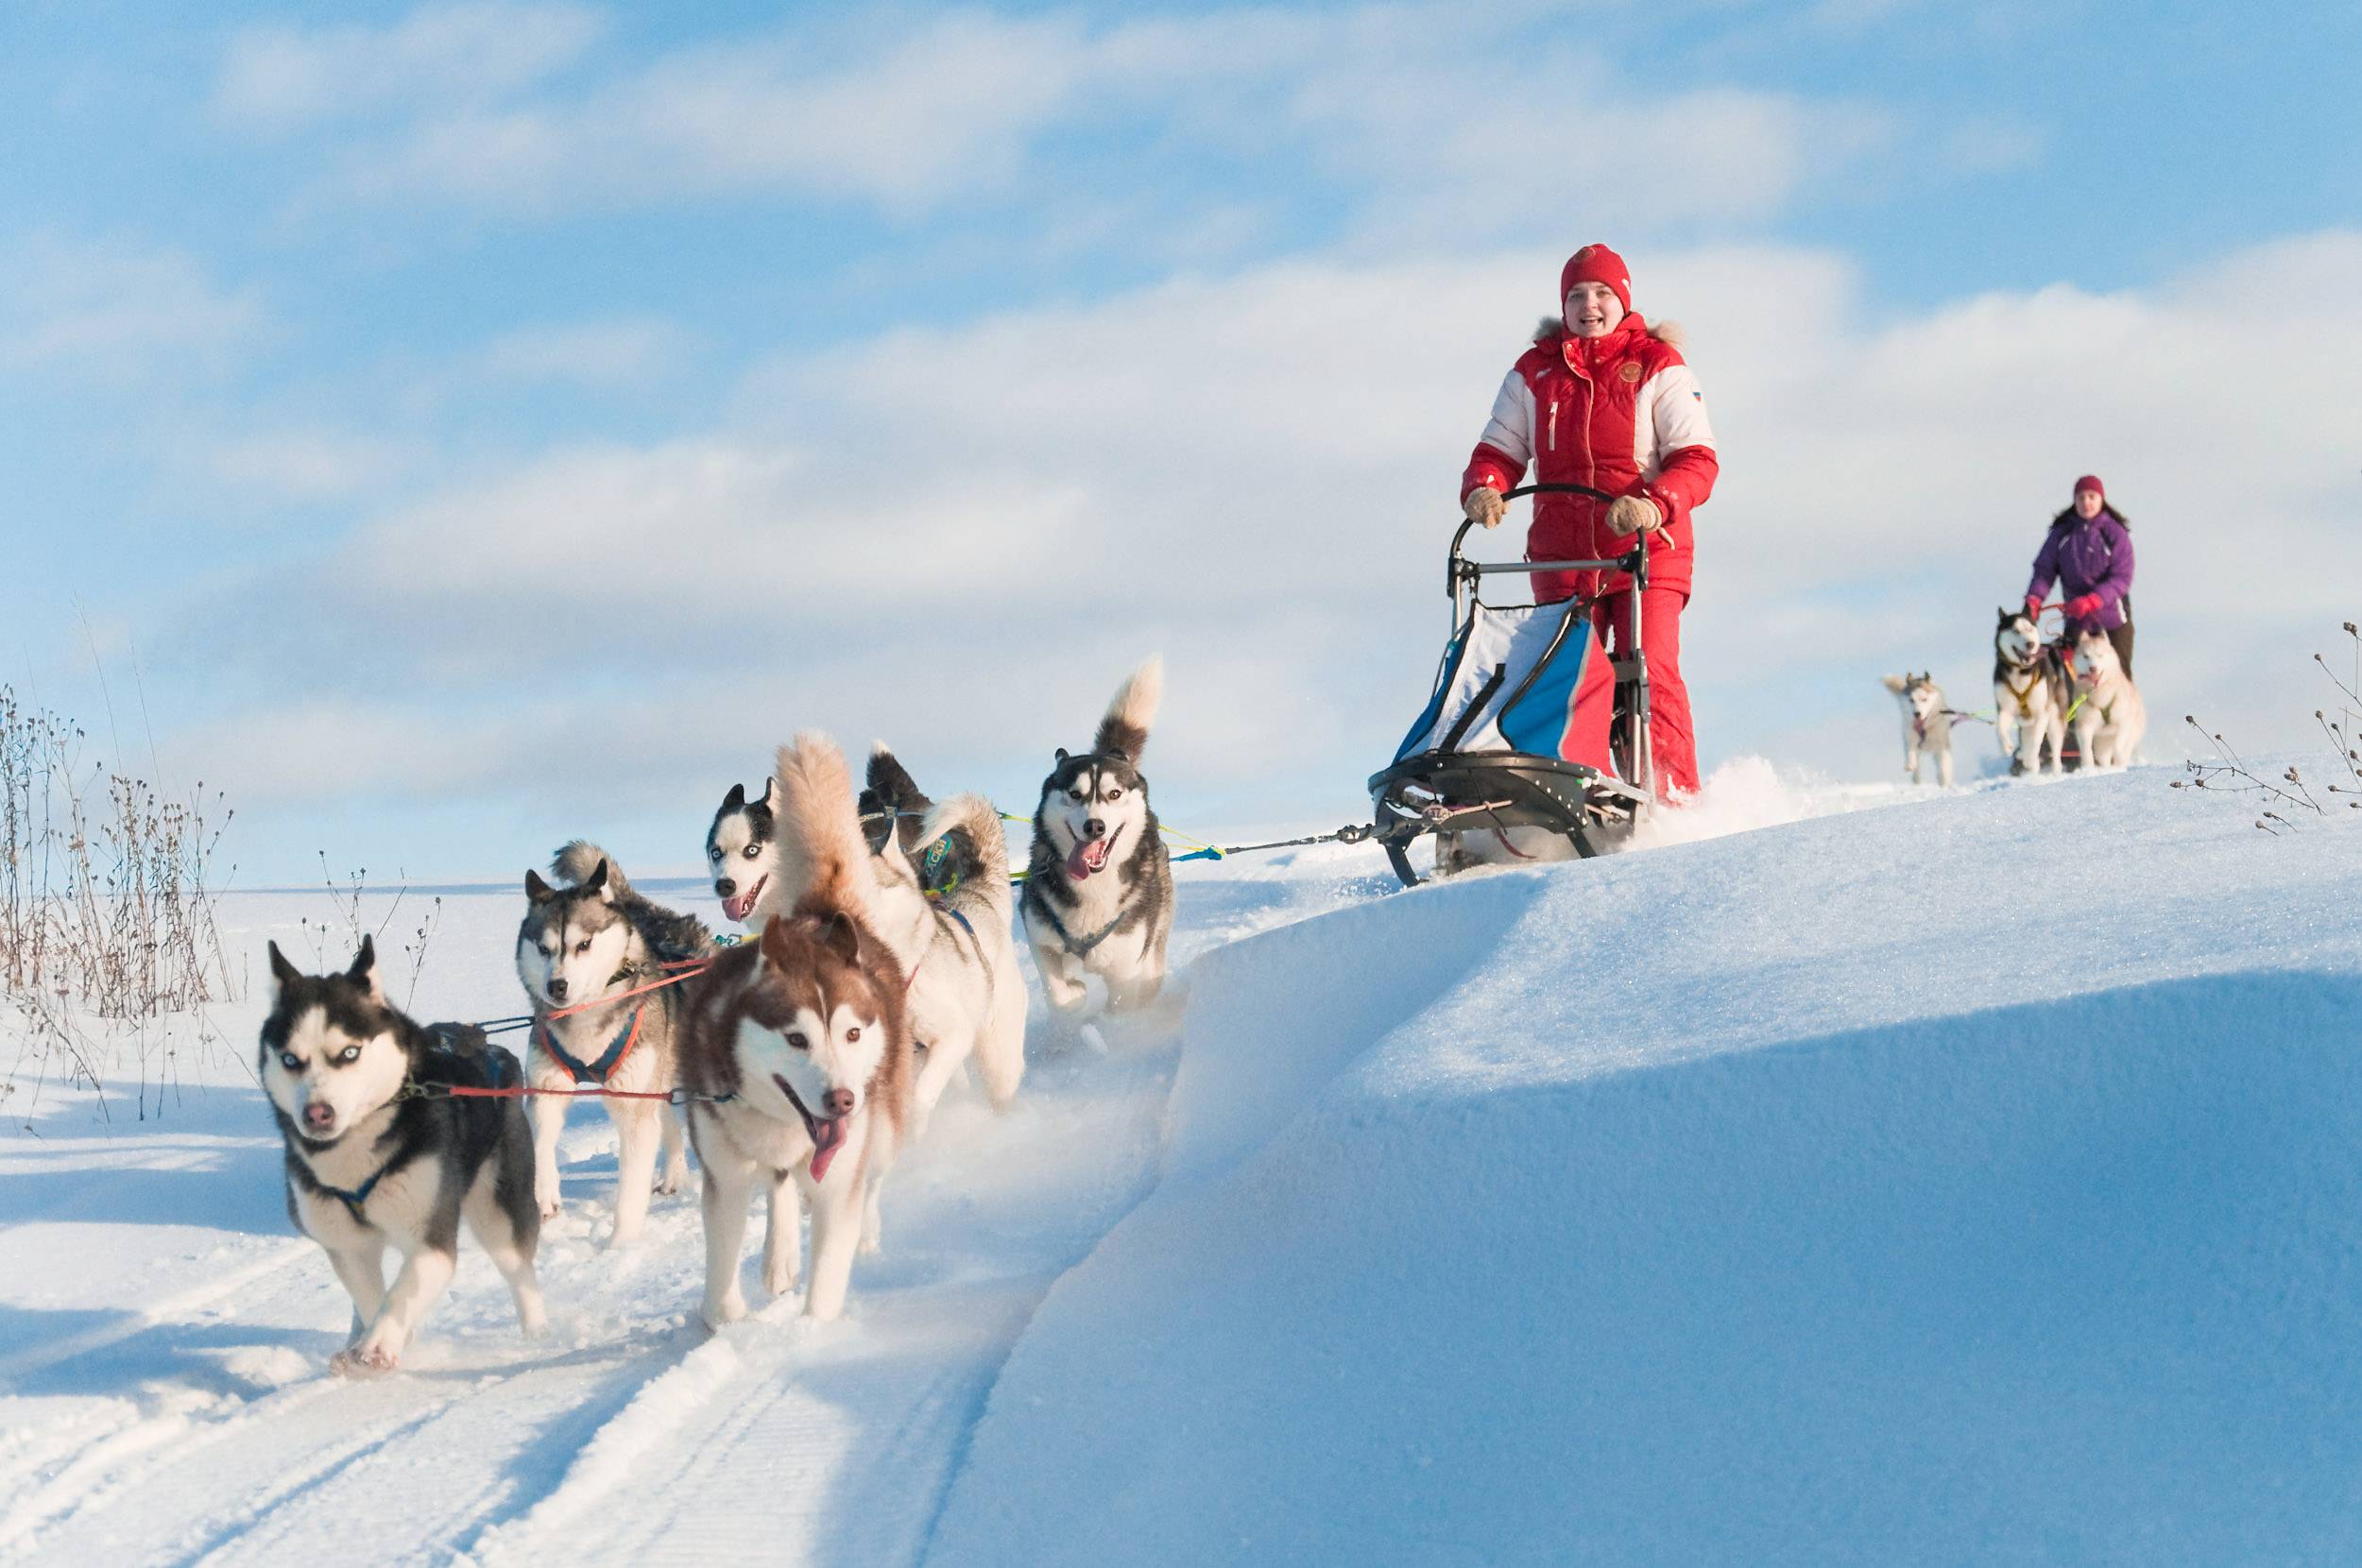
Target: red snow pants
column 1672, row 742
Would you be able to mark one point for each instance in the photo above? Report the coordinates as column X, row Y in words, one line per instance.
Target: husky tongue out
column 828, row 1135
column 738, row 905
column 1090, row 856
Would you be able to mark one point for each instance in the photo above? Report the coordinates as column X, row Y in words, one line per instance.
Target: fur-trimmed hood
column 2070, row 517
column 1671, row 333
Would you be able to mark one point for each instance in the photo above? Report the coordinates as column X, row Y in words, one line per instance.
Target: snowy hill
column 1969, row 1178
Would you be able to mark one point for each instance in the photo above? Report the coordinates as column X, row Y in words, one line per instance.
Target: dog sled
column 1533, row 735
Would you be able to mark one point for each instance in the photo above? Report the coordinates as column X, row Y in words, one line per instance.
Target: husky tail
column 579, row 861
column 825, row 858
column 892, row 800
column 1124, row 730
column 973, row 863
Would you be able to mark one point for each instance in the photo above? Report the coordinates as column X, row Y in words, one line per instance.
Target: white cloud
column 306, row 465
column 114, row 310
column 1426, row 113
column 283, row 79
column 594, row 353
column 960, row 540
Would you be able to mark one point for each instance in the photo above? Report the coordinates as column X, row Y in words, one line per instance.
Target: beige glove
column 1485, row 506
column 1633, row 515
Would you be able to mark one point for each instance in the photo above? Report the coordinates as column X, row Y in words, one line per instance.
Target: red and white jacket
column 1621, row 414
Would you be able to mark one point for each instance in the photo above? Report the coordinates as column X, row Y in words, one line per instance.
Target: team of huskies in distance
column 2041, row 692
column 799, row 1062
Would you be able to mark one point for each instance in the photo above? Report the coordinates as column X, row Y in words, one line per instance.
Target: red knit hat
column 1597, row 263
column 2091, row 481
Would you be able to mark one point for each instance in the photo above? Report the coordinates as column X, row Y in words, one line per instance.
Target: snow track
column 1807, row 1196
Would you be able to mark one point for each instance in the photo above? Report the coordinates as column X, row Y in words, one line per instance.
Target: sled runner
column 1533, row 732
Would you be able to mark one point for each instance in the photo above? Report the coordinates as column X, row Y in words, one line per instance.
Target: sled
column 1532, row 733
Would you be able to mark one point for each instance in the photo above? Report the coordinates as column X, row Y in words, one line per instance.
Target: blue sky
column 485, row 423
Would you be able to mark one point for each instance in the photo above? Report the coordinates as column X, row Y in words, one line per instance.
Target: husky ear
column 841, row 937
column 1061, row 761
column 736, row 799
column 771, row 795
column 283, row 974
column 596, row 882
column 363, row 970
column 537, row 890
column 774, row 942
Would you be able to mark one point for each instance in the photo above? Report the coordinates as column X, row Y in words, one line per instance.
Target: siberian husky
column 742, row 849
column 1099, row 885
column 743, row 845
column 967, row 996
column 372, row 1162
column 2031, row 694
column 798, row 1048
column 2112, row 718
column 583, row 947
column 1927, row 724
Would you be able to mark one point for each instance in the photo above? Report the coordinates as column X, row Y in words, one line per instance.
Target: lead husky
column 802, row 1043
column 583, row 948
column 371, row 1165
column 2031, row 694
column 1089, row 911
column 2112, row 718
column 1927, row 724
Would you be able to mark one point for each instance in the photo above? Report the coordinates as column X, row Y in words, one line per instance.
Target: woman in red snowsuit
column 1605, row 401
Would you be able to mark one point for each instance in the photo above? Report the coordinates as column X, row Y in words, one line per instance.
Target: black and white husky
column 373, row 1162
column 2031, row 694
column 583, row 948
column 1098, row 884
column 742, row 849
column 1927, row 724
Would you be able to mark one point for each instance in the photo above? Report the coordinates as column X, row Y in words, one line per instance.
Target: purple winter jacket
column 2094, row 557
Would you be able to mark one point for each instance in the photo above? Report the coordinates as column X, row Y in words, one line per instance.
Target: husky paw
column 364, row 1361
column 869, row 1247
column 728, row 1310
column 673, row 1183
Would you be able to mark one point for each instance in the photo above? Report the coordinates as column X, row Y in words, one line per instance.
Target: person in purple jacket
column 2088, row 554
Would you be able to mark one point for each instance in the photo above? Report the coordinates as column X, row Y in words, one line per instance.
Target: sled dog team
column 800, row 1063
column 2041, row 691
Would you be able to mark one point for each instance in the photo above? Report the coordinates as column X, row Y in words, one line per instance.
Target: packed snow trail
column 163, row 1392
column 1972, row 1179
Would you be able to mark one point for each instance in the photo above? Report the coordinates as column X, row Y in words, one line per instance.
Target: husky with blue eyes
column 380, row 1153
column 1098, row 886
column 798, row 1052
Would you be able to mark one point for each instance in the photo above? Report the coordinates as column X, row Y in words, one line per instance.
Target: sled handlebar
column 1460, row 569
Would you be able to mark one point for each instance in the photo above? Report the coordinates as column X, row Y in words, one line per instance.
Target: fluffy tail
column 574, row 864
column 1124, row 730
column 826, row 859
column 980, row 843
column 891, row 789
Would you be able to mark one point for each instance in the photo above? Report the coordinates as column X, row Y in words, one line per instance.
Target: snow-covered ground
column 1897, row 1176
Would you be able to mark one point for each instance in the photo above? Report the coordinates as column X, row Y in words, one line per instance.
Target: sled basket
column 1529, row 726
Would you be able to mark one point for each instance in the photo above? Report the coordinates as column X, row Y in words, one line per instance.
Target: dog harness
column 604, row 1068
column 1066, row 938
column 358, row 1196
